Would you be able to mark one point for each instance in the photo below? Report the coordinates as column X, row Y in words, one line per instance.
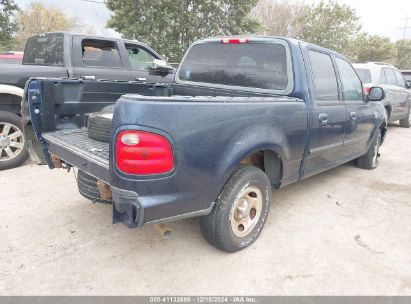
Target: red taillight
column 234, row 40
column 367, row 90
column 143, row 153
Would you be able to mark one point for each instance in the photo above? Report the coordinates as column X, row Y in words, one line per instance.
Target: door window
column 400, row 79
column 140, row 59
column 100, row 53
column 388, row 77
column 351, row 84
column 365, row 75
column 325, row 81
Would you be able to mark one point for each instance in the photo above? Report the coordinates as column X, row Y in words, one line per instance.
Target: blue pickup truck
column 245, row 115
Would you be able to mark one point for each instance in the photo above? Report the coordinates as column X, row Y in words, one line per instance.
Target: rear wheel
column 240, row 211
column 369, row 161
column 12, row 148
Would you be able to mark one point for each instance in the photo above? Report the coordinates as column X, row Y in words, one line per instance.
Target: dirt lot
column 343, row 232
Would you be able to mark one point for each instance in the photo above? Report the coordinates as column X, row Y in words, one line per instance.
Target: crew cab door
column 360, row 122
column 396, row 96
column 404, row 92
column 96, row 58
column 328, row 114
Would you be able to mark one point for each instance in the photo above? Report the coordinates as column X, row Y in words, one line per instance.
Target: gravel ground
column 344, row 232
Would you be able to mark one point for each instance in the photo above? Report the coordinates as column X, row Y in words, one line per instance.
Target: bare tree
column 280, row 17
column 38, row 19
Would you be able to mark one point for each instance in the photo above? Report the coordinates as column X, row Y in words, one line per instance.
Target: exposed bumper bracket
column 127, row 208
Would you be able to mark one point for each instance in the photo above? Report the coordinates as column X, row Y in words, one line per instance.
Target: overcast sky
column 386, row 18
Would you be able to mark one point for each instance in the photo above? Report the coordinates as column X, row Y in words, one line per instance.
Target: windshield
column 365, row 75
column 256, row 65
column 45, row 50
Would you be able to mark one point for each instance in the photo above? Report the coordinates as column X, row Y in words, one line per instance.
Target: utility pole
column 405, row 26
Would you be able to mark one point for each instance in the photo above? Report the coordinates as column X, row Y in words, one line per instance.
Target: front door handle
column 89, row 77
column 323, row 119
column 353, row 115
column 141, row 79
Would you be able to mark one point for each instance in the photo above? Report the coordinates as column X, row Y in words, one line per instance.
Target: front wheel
column 369, row 161
column 12, row 149
column 240, row 210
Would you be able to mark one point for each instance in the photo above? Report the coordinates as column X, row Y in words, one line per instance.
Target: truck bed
column 81, row 151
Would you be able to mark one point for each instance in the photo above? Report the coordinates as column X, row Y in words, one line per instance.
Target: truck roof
column 71, row 34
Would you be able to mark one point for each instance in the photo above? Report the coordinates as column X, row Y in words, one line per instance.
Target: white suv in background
column 397, row 101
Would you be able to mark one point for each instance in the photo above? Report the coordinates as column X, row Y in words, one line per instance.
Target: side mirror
column 162, row 66
column 376, row 94
column 408, row 84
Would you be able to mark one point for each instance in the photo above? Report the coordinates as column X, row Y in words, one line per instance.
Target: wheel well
column 268, row 161
column 10, row 103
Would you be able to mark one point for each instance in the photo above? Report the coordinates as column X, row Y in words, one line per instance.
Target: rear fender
column 10, row 98
column 12, row 90
column 248, row 142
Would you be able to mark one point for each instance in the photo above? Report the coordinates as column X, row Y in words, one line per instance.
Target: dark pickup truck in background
column 246, row 114
column 67, row 55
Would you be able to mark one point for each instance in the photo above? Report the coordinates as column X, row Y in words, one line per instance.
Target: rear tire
column 369, row 161
column 13, row 151
column 240, row 211
column 405, row 123
column 87, row 186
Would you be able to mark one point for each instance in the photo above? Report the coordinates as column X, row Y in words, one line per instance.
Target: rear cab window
column 253, row 65
column 100, row 53
column 45, row 50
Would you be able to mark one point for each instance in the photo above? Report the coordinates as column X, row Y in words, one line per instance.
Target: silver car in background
column 397, row 101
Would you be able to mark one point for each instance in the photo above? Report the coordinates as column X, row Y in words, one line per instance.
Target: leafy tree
column 367, row 47
column 280, row 17
column 403, row 56
column 172, row 25
column 330, row 25
column 38, row 19
column 7, row 25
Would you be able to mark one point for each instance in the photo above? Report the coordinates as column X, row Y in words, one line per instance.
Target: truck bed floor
column 79, row 150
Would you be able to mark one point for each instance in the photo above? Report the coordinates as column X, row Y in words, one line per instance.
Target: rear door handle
column 323, row 119
column 141, row 79
column 353, row 115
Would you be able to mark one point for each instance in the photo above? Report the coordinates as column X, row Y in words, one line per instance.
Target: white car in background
column 397, row 101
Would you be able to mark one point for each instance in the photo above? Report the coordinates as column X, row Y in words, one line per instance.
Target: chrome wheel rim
column 375, row 157
column 246, row 211
column 11, row 141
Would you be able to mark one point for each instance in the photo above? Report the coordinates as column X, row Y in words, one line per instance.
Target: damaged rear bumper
column 127, row 208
